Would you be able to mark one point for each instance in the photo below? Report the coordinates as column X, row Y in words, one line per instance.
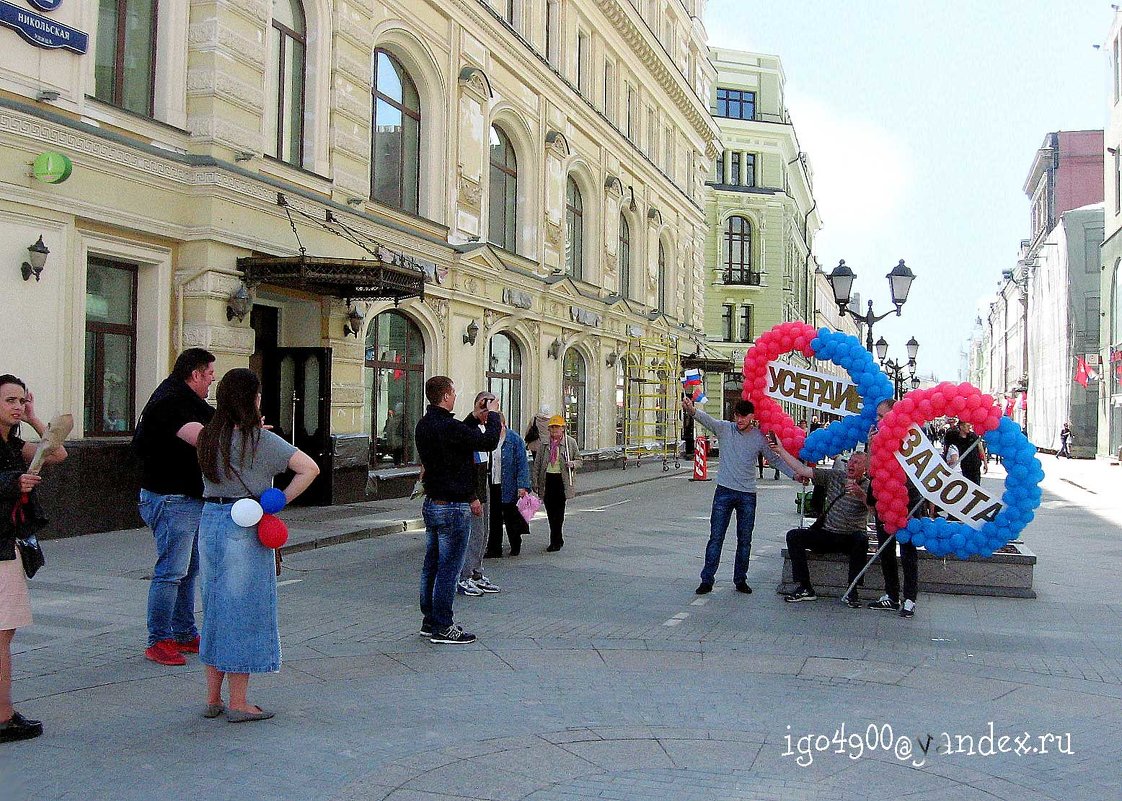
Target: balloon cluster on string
column 841, row 349
column 271, row 530
column 1002, row 436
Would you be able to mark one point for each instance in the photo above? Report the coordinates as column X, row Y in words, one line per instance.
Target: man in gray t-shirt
column 741, row 445
column 843, row 528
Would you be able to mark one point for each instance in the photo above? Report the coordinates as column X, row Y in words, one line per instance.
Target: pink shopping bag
column 528, row 505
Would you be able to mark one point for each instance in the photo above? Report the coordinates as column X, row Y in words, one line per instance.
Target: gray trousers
column 477, row 543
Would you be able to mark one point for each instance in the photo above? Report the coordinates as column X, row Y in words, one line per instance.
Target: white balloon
column 246, row 512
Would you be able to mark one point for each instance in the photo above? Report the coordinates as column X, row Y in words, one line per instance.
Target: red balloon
column 272, row 532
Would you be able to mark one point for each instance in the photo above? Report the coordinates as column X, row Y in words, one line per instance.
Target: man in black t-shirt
column 171, row 492
column 963, row 437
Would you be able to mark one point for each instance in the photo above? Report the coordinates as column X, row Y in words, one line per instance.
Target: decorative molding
column 518, row 298
column 439, row 307
column 557, row 145
column 489, row 317
column 221, row 338
column 635, row 330
column 554, row 233
column 471, row 192
column 654, row 216
column 211, row 284
column 585, row 317
column 613, row 186
column 475, row 83
column 536, row 332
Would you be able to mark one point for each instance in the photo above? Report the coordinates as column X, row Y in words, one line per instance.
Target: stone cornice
column 672, row 82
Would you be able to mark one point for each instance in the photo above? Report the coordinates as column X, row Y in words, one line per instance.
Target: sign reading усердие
column 42, row 32
column 819, row 391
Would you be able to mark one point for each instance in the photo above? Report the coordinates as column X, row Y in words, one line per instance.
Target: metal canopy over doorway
column 389, row 276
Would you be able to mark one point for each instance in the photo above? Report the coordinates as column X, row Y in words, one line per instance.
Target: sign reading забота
column 959, row 497
column 819, row 391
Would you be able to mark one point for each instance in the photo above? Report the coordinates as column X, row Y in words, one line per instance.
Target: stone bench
column 1008, row 573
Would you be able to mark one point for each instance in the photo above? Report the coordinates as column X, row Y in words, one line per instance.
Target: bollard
column 701, row 459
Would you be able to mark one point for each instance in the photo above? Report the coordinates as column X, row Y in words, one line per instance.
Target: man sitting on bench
column 841, row 529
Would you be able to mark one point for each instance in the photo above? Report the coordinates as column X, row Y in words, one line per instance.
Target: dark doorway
column 299, row 389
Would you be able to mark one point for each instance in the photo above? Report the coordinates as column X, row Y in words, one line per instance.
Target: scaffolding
column 648, row 404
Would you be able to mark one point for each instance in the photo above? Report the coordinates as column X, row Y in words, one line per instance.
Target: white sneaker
column 484, row 583
column 467, row 587
column 907, row 609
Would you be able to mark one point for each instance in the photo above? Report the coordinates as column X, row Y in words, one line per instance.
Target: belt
column 224, row 499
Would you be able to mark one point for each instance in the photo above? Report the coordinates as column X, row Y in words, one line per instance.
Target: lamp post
column 841, row 283
column 895, row 369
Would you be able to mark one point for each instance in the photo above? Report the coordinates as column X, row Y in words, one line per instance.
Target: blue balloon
column 272, row 500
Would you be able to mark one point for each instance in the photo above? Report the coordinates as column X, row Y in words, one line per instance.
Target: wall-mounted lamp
column 613, row 357
column 353, row 324
column 471, row 332
column 37, row 256
column 244, row 155
column 239, row 303
column 554, row 349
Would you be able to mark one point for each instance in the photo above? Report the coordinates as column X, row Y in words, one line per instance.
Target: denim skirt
column 239, row 591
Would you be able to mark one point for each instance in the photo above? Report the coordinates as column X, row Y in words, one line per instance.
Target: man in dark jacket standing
column 446, row 447
column 171, row 501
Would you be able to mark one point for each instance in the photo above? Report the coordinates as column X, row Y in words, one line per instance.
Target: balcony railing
column 743, row 277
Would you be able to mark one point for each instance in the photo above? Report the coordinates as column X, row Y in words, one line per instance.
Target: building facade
column 351, row 197
column 761, row 216
column 1110, row 332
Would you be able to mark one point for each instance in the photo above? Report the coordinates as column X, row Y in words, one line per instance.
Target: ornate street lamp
column 841, row 283
column 895, row 369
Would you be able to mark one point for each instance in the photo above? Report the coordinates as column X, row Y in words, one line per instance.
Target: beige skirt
column 15, row 604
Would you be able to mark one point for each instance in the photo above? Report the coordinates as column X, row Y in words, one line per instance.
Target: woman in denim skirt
column 239, row 459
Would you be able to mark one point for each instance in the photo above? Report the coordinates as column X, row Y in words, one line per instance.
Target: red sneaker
column 189, row 647
column 164, row 652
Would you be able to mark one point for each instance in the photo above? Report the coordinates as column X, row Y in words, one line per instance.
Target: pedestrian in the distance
column 239, row 459
column 1065, row 441
column 510, row 481
column 446, row 447
column 742, row 444
column 16, row 405
column 555, row 465
column 171, row 501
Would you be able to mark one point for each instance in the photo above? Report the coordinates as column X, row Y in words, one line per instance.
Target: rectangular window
column 1117, row 69
column 110, row 352
column 1091, row 324
column 630, row 126
column 745, row 324
column 551, row 33
column 726, row 323
column 582, row 62
column 1118, row 181
column 749, row 169
column 510, row 12
column 652, row 133
column 609, row 91
column 734, row 170
column 736, row 104
column 668, row 151
column 721, row 169
column 125, row 54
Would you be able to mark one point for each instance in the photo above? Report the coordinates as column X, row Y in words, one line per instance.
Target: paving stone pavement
column 599, row 674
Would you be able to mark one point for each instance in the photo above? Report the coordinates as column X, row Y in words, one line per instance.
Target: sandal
column 237, row 716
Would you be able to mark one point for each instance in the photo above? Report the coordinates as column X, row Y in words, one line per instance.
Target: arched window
column 574, row 230
column 395, row 150
column 125, row 54
column 502, row 227
column 624, row 254
column 663, row 277
column 574, row 390
column 395, row 386
column 504, row 377
column 284, row 101
column 737, row 252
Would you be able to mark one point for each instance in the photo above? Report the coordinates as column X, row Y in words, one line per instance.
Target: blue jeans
column 174, row 520
column 725, row 500
column 447, row 529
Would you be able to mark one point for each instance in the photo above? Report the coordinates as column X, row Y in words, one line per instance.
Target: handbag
column 528, row 506
column 30, row 552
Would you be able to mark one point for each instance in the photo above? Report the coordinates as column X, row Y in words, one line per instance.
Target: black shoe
column 493, row 555
column 553, row 548
column 703, row 588
column 852, row 601
column 19, row 728
column 515, row 548
column 453, row 635
column 800, row 594
column 884, row 602
column 742, row 586
column 907, row 609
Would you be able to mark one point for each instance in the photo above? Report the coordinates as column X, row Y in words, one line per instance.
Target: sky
column 921, row 121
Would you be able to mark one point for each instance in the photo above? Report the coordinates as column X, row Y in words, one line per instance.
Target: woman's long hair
column 236, row 409
column 8, row 378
